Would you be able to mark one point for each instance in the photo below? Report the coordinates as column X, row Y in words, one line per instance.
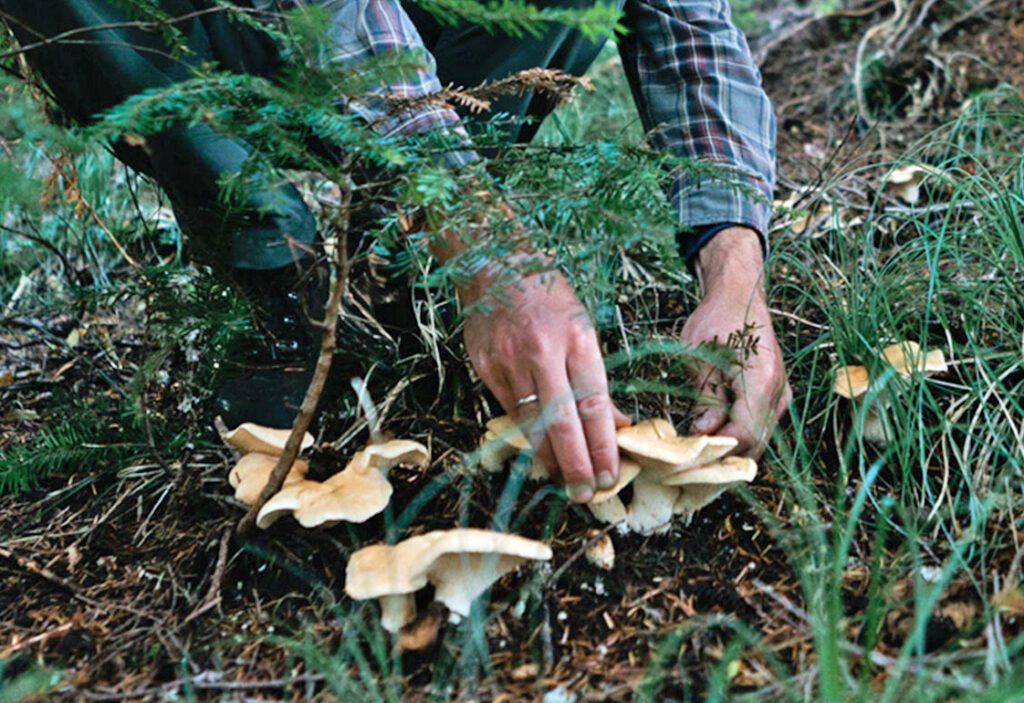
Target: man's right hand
column 533, row 338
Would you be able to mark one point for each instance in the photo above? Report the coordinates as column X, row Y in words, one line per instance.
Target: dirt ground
column 130, row 585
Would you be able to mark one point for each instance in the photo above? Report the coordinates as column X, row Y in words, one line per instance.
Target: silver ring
column 527, row 399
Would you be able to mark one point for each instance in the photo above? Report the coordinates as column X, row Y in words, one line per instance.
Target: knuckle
column 537, row 344
column 561, row 419
column 603, row 454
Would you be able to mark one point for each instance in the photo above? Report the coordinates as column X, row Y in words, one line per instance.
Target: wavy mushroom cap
column 251, row 473
column 731, row 469
column 387, row 455
column 354, row 495
column 655, row 445
column 250, row 437
column 907, row 357
column 461, row 563
column 628, row 470
column 502, row 442
column 851, row 382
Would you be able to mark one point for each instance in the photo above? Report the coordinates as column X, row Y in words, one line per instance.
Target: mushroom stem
column 611, row 511
column 397, row 611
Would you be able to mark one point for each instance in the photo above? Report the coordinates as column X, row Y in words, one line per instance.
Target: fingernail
column 580, row 492
column 605, row 480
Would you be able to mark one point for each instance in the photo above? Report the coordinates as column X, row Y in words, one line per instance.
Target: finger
column 595, row 409
column 710, row 412
column 562, row 422
column 527, row 414
column 752, row 418
column 621, row 419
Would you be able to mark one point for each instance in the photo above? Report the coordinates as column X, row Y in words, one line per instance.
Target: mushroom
column 250, row 475
column 461, row 564
column 651, row 509
column 656, row 446
column 504, row 440
column 602, row 552
column 353, row 495
column 665, row 457
column 853, row 382
column 250, row 437
column 606, row 505
column 905, row 182
column 906, row 358
column 700, row 486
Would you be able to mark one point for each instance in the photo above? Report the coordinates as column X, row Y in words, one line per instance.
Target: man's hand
column 536, row 340
column 730, row 269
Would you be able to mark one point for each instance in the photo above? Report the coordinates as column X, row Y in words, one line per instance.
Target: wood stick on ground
column 213, row 598
column 323, row 363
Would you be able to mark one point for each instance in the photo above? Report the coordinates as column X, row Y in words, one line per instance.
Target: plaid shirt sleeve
column 694, row 81
column 360, row 29
column 699, row 95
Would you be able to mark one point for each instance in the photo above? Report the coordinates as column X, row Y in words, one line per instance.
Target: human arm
column 699, row 96
column 525, row 334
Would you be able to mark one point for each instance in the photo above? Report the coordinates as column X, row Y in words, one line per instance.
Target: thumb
column 710, row 412
column 620, row 418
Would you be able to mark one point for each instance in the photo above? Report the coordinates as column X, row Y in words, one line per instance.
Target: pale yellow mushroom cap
column 250, row 475
column 655, row 445
column 503, row 441
column 392, row 453
column 699, row 487
column 906, row 357
column 354, row 495
column 851, row 382
column 460, row 563
column 731, row 469
column 250, row 437
column 628, row 470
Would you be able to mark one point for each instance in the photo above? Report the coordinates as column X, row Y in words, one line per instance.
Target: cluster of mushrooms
column 460, row 563
column 671, row 476
column 856, row 385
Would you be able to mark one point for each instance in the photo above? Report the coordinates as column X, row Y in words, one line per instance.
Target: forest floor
column 852, row 569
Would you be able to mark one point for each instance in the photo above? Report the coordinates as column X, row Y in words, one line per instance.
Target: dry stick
column 323, row 365
column 213, row 596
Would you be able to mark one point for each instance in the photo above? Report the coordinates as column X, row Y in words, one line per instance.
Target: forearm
column 732, row 265
column 700, row 97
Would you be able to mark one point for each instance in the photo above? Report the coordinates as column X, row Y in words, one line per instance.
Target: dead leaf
column 1010, row 600
column 422, row 632
column 21, row 414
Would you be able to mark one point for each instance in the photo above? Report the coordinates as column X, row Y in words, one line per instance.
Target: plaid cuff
column 705, row 206
column 420, row 121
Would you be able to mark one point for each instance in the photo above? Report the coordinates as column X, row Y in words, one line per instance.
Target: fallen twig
column 212, row 599
column 323, row 363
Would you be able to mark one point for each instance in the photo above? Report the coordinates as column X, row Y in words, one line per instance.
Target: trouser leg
column 92, row 71
column 468, row 55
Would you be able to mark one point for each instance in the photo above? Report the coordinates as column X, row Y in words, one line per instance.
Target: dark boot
column 266, row 381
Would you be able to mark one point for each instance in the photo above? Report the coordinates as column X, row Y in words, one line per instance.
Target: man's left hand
column 730, row 268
